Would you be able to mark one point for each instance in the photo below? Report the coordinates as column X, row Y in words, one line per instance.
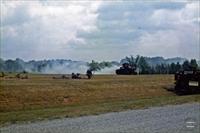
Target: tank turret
column 126, row 69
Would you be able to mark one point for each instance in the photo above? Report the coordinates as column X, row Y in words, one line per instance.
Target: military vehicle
column 187, row 82
column 22, row 75
column 89, row 74
column 126, row 69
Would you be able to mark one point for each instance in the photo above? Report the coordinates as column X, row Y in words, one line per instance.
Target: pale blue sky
column 99, row 30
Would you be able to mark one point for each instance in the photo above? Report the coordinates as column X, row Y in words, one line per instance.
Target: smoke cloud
column 108, row 70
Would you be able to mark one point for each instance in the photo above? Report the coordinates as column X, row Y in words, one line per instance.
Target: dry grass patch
column 41, row 96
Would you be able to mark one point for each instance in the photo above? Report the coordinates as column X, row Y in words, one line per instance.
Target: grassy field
column 42, row 97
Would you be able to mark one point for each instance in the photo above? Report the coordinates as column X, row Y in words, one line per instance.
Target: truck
column 187, row 82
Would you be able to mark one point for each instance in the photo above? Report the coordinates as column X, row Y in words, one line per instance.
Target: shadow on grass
column 181, row 92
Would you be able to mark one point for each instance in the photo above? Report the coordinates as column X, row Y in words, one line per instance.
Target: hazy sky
column 99, row 30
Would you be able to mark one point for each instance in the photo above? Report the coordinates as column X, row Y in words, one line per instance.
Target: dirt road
column 168, row 119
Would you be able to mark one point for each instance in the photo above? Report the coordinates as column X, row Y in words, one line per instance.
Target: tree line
column 144, row 68
column 140, row 63
column 174, row 67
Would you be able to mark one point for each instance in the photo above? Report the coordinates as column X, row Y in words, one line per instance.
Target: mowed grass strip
column 42, row 97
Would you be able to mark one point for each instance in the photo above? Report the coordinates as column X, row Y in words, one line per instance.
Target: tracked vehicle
column 126, row 69
column 187, row 82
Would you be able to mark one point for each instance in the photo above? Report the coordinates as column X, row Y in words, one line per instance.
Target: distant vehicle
column 187, row 82
column 75, row 76
column 89, row 74
column 22, row 75
column 126, row 69
column 2, row 74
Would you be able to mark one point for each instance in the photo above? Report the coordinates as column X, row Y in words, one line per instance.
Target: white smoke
column 66, row 68
column 108, row 70
column 60, row 66
column 76, row 68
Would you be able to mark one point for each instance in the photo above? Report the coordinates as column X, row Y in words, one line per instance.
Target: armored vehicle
column 126, row 69
column 187, row 82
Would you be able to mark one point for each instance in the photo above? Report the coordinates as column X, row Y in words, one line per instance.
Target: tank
column 126, row 69
column 187, row 82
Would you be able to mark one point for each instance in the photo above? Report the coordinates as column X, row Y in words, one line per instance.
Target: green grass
column 41, row 97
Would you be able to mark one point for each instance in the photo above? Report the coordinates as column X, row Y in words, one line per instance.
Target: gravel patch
column 183, row 118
